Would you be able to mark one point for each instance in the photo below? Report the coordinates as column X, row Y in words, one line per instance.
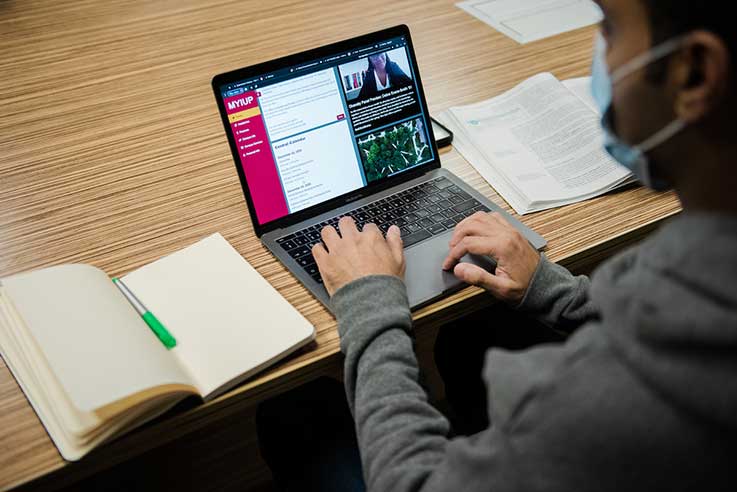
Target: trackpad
column 425, row 277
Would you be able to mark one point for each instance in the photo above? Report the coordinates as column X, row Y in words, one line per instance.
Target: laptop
column 344, row 130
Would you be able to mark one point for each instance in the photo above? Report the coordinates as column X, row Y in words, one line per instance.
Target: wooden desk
column 112, row 153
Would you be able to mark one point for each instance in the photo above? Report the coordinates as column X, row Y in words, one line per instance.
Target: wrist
column 369, row 303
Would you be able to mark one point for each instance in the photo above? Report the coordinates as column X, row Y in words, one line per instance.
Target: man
column 643, row 395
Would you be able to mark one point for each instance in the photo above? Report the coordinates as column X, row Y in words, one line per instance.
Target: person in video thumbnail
column 382, row 74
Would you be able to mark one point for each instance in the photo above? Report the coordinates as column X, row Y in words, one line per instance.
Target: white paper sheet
column 228, row 320
column 539, row 144
column 531, row 20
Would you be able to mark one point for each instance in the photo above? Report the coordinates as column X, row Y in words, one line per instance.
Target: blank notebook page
column 227, row 319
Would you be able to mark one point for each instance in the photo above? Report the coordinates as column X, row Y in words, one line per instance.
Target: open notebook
column 93, row 369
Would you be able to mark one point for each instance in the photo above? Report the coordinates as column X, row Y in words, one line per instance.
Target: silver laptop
column 344, row 130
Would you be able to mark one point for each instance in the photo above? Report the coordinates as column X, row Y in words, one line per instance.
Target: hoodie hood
column 670, row 307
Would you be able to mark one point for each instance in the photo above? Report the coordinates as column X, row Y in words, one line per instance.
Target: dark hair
column 371, row 64
column 669, row 18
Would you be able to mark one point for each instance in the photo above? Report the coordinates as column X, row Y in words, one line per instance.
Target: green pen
column 156, row 326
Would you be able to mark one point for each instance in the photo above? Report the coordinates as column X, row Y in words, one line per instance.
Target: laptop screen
column 311, row 132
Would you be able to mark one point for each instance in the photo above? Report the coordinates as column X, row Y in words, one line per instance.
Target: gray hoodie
column 642, row 396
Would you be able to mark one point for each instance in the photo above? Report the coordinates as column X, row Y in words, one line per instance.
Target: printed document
column 531, row 20
column 539, row 145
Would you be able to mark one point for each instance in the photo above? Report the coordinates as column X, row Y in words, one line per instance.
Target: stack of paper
column 530, row 20
column 539, row 145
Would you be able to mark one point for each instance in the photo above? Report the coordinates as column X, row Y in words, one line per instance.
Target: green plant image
column 393, row 150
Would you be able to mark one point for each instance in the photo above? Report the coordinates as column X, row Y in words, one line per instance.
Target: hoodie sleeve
column 557, row 298
column 401, row 436
column 403, row 439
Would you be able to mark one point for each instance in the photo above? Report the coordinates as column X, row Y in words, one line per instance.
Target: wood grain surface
column 112, row 153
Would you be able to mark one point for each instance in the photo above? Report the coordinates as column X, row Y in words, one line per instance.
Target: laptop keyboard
column 421, row 212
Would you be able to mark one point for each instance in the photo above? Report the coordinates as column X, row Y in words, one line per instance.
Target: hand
column 489, row 234
column 357, row 254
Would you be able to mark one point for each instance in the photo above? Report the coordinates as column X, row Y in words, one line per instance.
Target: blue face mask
column 632, row 157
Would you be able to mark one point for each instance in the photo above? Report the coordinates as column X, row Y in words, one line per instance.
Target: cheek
column 637, row 110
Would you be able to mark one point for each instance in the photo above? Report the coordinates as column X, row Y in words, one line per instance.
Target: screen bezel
column 263, row 68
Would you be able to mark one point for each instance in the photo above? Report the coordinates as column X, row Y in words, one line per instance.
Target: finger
column 372, row 228
column 475, row 224
column 473, row 228
column 347, row 227
column 470, row 244
column 396, row 245
column 320, row 254
column 475, row 275
column 329, row 236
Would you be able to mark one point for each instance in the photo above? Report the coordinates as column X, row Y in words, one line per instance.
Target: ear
column 701, row 76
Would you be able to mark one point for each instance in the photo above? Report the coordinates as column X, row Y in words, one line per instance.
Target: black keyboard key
column 458, row 218
column 463, row 195
column 443, row 183
column 434, row 198
column 436, row 229
column 299, row 252
column 467, row 205
column 426, row 222
column 412, row 207
column 437, row 217
column 285, row 238
column 411, row 217
column 449, row 213
column 481, row 208
column 421, row 213
column 317, row 278
column 400, row 222
column 287, row 245
column 413, row 227
column 313, row 235
column 449, row 223
column 456, row 199
column 306, row 260
column 445, row 194
column 300, row 240
column 422, row 202
column 443, row 204
column 388, row 217
column 433, row 209
column 415, row 238
column 312, row 269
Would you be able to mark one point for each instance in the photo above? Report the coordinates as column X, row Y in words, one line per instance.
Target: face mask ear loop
column 663, row 135
column 644, row 59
